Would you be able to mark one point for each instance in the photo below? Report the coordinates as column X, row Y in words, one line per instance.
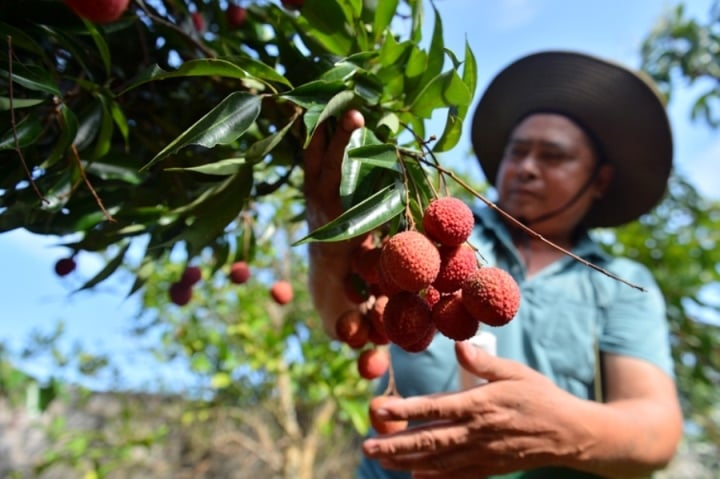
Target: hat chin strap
column 567, row 205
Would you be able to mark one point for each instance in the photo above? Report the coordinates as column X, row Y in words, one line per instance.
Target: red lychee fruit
column 410, row 261
column 491, row 296
column 191, row 276
column 452, row 319
column 352, row 328
column 293, row 4
column 180, row 293
column 98, row 11
column 198, row 21
column 239, row 272
column 377, row 334
column 236, row 16
column 432, row 295
column 384, row 426
column 65, row 266
column 422, row 344
column 356, row 289
column 407, row 319
column 373, row 363
column 448, row 220
column 365, row 262
column 282, row 292
column 456, row 263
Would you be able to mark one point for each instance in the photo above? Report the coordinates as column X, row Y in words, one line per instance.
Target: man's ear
column 603, row 179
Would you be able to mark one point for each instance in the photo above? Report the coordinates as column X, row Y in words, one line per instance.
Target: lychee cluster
column 181, row 290
column 418, row 283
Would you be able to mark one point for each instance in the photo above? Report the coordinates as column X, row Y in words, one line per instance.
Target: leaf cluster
column 147, row 128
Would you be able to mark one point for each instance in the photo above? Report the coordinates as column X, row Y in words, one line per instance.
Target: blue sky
column 499, row 31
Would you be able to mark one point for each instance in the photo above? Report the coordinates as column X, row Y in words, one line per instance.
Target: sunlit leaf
column 221, row 125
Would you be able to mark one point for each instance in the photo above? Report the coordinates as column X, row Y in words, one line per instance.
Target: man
column 583, row 385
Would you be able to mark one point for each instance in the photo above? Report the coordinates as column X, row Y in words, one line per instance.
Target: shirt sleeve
column 634, row 321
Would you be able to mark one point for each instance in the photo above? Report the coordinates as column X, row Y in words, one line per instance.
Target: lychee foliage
column 151, row 130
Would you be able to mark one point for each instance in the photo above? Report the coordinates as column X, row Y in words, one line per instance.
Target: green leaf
column 222, row 125
column 314, row 116
column 33, row 77
column 328, row 24
column 26, row 132
column 363, row 217
column 108, row 270
column 18, row 103
column 456, row 113
column 447, row 89
column 384, row 15
column 261, row 148
column 68, row 132
column 435, row 55
column 226, row 167
column 100, row 44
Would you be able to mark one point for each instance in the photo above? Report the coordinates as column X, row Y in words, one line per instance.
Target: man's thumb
column 481, row 364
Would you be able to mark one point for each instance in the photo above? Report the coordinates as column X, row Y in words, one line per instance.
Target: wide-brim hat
column 620, row 108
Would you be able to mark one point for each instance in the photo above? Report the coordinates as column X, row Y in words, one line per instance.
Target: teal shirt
column 566, row 310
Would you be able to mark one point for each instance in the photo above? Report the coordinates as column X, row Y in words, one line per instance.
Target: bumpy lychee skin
column 352, row 328
column 64, row 266
column 239, row 272
column 373, row 363
column 491, row 296
column 99, row 11
column 407, row 319
column 456, row 263
column 452, row 319
column 384, row 426
column 191, row 275
column 448, row 220
column 375, row 316
column 410, row 260
column 432, row 295
column 365, row 262
column 282, row 292
column 422, row 344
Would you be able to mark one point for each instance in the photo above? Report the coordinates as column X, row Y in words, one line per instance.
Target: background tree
column 680, row 239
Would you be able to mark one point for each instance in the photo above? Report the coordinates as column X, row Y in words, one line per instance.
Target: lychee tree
column 145, row 128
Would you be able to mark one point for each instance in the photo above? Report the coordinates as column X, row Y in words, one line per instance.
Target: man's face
column 546, row 162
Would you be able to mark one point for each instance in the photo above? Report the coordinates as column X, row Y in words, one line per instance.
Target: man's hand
column 517, row 420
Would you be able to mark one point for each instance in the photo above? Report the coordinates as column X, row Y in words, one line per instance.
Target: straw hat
column 621, row 108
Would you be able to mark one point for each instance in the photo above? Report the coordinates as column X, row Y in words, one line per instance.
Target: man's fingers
column 484, row 365
column 434, row 437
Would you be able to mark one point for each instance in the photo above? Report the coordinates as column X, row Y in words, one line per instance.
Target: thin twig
column 13, row 124
column 99, row 202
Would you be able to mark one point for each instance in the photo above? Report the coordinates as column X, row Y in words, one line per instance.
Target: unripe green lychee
column 98, row 11
column 407, row 319
column 491, row 296
column 282, row 292
column 452, row 319
column 410, row 261
column 373, row 363
column 456, row 263
column 448, row 220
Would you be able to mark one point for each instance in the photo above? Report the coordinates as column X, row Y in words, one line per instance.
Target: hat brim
column 620, row 107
